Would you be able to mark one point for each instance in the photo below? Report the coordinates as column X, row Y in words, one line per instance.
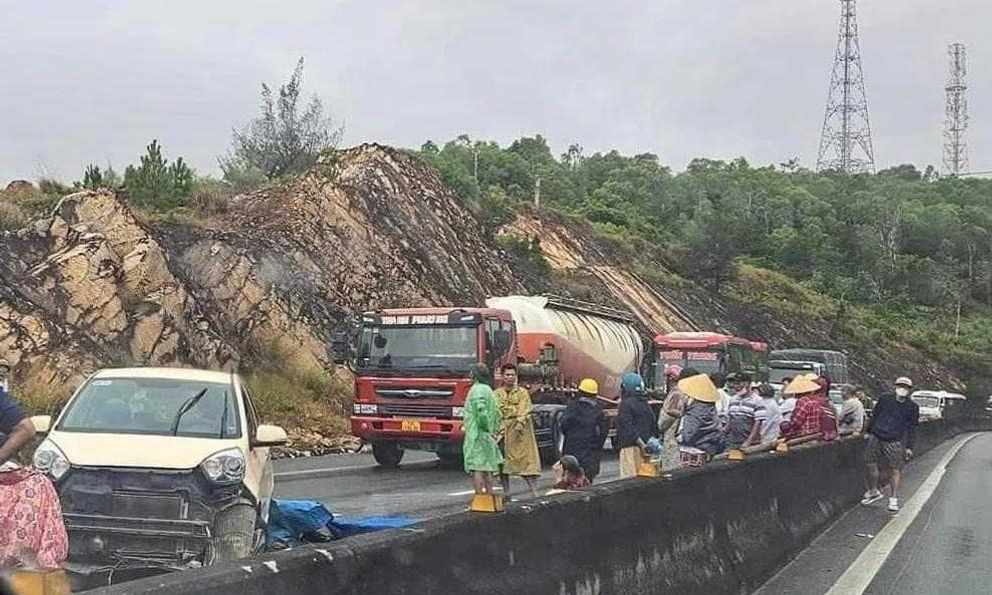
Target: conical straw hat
column 700, row 387
column 801, row 385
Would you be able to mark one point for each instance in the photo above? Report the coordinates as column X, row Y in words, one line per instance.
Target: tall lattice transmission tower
column 845, row 143
column 956, row 113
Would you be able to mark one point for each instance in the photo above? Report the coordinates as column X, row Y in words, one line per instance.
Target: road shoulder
column 818, row 567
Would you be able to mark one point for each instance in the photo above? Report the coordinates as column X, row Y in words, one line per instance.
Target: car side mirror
column 42, row 423
column 267, row 435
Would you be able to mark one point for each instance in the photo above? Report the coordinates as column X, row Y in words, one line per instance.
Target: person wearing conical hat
column 700, row 437
column 813, row 413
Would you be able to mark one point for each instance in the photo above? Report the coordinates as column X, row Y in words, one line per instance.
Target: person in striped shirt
column 745, row 414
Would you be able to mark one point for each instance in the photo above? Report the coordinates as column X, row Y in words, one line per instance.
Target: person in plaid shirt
column 814, row 413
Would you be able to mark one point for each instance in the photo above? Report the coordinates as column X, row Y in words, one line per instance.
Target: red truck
column 710, row 353
column 411, row 366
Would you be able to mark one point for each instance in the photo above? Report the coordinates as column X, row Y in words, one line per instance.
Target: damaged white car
column 159, row 468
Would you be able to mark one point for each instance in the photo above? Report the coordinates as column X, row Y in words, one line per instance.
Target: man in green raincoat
column 482, row 423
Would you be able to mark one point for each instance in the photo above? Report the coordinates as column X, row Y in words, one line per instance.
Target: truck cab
column 412, row 375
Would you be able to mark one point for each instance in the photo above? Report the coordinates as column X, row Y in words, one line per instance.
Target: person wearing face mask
column 891, row 438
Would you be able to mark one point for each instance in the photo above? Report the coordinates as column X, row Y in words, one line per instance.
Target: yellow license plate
column 410, row 425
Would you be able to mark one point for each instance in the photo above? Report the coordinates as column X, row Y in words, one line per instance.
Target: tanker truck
column 412, row 366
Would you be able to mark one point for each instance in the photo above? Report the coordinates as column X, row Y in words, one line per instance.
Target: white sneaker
column 871, row 497
column 893, row 504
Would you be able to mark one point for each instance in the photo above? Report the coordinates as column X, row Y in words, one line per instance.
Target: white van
column 933, row 403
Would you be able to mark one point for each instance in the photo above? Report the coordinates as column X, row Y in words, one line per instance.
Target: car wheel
column 387, row 454
column 234, row 533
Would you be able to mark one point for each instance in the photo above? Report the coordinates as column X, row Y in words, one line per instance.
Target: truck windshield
column 151, row 406
column 777, row 374
column 704, row 362
column 445, row 348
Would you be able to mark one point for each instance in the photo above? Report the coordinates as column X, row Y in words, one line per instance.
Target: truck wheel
column 387, row 454
column 234, row 533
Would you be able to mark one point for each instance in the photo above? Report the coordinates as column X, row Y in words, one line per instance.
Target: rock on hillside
column 89, row 284
column 92, row 285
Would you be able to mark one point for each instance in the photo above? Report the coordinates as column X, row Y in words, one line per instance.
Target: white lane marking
column 859, row 574
column 467, row 492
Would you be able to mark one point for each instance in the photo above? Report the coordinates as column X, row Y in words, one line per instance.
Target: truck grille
column 415, row 411
column 414, row 393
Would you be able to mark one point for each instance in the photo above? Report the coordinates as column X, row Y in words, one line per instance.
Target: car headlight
column 49, row 459
column 458, row 412
column 366, row 409
column 226, row 466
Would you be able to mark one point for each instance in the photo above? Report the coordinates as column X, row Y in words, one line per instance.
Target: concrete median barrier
column 724, row 528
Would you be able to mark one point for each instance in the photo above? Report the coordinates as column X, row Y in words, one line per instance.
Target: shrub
column 11, row 216
column 156, row 183
column 286, row 138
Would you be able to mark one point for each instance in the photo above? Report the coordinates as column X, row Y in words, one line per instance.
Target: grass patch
column 779, row 293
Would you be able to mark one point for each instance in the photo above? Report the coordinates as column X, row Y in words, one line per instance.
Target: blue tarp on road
column 292, row 522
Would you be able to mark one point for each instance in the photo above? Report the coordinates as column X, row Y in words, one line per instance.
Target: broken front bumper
column 166, row 543
column 129, row 518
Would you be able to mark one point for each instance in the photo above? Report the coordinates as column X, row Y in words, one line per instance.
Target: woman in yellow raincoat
column 519, row 442
column 482, row 422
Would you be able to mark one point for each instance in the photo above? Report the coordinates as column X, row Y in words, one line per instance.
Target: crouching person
column 32, row 533
column 700, row 437
column 569, row 475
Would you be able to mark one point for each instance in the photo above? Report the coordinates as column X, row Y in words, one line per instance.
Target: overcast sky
column 94, row 81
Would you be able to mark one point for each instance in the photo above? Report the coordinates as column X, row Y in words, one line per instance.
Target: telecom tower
column 845, row 143
column 956, row 120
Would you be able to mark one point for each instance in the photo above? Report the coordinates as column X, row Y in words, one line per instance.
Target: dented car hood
column 136, row 450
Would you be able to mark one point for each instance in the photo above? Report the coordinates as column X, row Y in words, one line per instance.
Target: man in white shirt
column 852, row 414
column 771, row 429
column 788, row 404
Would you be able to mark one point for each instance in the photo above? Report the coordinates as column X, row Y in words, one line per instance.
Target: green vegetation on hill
column 906, row 255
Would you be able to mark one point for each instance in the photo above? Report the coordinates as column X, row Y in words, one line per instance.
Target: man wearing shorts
column 891, row 437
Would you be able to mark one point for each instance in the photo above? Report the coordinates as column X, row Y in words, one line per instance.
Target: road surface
column 352, row 485
column 939, row 542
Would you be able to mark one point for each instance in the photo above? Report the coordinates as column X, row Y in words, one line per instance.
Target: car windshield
column 926, row 401
column 152, row 406
column 419, row 347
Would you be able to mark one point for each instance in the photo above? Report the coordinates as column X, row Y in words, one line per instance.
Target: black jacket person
column 584, row 426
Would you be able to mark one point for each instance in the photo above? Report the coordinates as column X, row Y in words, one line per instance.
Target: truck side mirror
column 341, row 351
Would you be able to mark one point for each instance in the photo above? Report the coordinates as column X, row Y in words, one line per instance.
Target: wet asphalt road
column 948, row 547
column 353, row 486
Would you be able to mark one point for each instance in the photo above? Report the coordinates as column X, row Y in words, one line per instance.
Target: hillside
column 260, row 289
